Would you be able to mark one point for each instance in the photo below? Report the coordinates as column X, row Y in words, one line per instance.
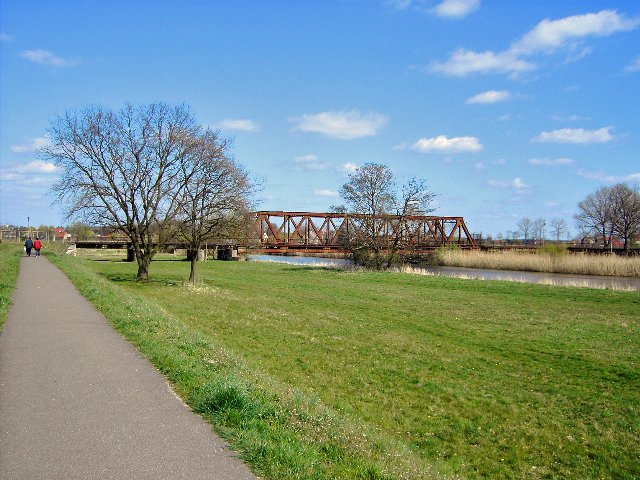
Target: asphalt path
column 77, row 401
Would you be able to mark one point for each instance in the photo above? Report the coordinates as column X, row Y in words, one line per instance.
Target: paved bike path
column 79, row 402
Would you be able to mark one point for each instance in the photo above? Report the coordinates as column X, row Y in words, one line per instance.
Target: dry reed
column 571, row 263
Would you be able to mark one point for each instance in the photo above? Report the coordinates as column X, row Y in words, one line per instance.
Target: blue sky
column 509, row 109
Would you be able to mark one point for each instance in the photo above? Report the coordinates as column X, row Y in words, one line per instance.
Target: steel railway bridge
column 276, row 231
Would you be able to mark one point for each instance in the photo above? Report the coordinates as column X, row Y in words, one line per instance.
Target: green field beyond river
column 321, row 373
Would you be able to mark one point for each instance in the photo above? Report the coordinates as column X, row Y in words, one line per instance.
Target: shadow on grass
column 131, row 279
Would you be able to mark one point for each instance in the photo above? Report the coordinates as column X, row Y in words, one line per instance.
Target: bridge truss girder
column 332, row 231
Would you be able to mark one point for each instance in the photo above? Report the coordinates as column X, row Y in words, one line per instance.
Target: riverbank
column 323, row 373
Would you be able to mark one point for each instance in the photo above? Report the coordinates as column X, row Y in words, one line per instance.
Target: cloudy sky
column 509, row 109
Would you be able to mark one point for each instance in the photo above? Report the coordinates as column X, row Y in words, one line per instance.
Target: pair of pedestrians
column 30, row 244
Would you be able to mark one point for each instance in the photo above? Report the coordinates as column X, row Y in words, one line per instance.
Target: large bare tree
column 124, row 168
column 525, row 228
column 558, row 227
column 217, row 196
column 372, row 195
column 596, row 214
column 540, row 228
column 626, row 213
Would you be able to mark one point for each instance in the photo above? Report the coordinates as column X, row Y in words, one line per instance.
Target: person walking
column 28, row 245
column 37, row 245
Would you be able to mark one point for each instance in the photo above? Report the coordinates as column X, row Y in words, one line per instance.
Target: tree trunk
column 143, row 270
column 194, row 264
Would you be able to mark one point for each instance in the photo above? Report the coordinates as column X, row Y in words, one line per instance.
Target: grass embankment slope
column 314, row 373
column 9, row 267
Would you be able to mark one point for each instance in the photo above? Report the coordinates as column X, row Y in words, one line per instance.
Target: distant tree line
column 607, row 214
column 538, row 229
column 152, row 173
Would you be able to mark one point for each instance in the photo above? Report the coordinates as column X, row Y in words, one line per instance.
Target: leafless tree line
column 537, row 229
column 152, row 173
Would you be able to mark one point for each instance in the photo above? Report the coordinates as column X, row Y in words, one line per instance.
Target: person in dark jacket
column 37, row 245
column 28, row 245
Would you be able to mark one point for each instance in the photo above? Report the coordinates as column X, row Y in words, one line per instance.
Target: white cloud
column 551, row 162
column 590, row 175
column 480, row 166
column 31, row 178
column 550, row 35
column 517, row 184
column 490, row 96
column 325, row 193
column 37, row 166
column 633, row 66
column 576, row 136
column 631, row 178
column 32, row 145
column 443, row 144
column 399, row 4
column 44, row 57
column 545, row 38
column 569, row 118
column 456, row 8
column 349, row 167
column 466, row 62
column 311, row 162
column 342, row 125
column 240, row 125
column 445, row 8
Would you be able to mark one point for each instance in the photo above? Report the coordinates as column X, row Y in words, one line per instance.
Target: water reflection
column 298, row 260
column 587, row 281
column 560, row 279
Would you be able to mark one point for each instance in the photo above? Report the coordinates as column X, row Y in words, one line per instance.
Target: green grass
column 9, row 266
column 316, row 373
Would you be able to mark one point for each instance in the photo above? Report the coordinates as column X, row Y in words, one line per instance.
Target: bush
column 554, row 249
column 369, row 258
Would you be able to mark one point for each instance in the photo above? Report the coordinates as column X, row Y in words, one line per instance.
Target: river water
column 588, row 281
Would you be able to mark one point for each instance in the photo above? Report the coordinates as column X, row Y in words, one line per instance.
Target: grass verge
column 9, row 267
column 317, row 373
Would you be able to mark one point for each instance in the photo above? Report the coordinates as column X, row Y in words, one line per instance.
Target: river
column 588, row 281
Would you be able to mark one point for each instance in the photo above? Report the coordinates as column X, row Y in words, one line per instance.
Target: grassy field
column 542, row 261
column 9, row 266
column 318, row 373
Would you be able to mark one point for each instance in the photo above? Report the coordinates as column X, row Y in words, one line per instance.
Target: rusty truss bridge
column 279, row 232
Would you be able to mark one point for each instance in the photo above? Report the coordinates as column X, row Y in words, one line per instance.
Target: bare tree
column 124, row 169
column 595, row 214
column 371, row 195
column 540, row 228
column 558, row 227
column 217, row 196
column 626, row 213
column 525, row 228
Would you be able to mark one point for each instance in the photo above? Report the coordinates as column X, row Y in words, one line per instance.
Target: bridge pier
column 131, row 253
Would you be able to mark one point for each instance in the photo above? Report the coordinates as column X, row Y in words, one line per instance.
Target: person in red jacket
column 37, row 245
